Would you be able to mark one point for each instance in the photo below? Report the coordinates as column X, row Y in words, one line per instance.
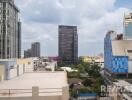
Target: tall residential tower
column 68, row 44
column 10, row 30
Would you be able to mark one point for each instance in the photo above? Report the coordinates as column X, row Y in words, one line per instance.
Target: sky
column 40, row 20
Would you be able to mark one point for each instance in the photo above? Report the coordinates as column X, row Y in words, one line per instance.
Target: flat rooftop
column 121, row 48
column 49, row 83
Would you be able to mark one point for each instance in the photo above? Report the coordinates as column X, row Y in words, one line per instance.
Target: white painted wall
column 13, row 73
column 29, row 68
column 17, row 71
column 2, row 72
column 21, row 69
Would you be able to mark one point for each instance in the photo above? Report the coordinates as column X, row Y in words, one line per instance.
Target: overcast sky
column 40, row 20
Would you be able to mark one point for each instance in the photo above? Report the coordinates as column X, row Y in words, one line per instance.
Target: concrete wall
column 130, row 67
column 16, row 71
column 2, row 72
column 8, row 64
column 27, row 64
column 15, row 67
column 13, row 73
column 31, row 98
column 24, row 61
column 105, row 98
column 35, row 95
column 21, row 69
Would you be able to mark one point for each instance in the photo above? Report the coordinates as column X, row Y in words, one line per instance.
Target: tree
column 94, row 70
column 87, row 82
column 84, row 90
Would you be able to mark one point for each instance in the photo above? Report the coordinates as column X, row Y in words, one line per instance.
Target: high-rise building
column 19, row 40
column 10, row 30
column 117, row 55
column 128, row 26
column 35, row 49
column 68, row 44
column 27, row 53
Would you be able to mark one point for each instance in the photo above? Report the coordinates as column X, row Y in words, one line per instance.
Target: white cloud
column 93, row 18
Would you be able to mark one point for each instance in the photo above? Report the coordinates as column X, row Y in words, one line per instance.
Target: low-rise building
column 121, row 90
column 93, row 59
column 86, row 59
column 99, row 61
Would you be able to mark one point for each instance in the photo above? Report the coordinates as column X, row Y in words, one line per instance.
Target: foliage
column 83, row 67
column 61, row 64
column 73, row 74
column 73, row 92
column 58, row 69
column 87, row 82
column 92, row 82
column 94, row 70
column 84, row 90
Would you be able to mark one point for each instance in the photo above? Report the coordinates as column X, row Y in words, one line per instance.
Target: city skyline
column 38, row 20
column 65, row 50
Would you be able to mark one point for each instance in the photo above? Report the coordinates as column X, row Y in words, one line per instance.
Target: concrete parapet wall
column 2, row 72
column 30, row 98
column 36, row 96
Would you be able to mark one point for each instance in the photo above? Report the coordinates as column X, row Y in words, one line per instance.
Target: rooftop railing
column 29, row 92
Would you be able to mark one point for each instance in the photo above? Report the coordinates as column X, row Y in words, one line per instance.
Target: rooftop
column 122, row 83
column 122, row 48
column 50, row 83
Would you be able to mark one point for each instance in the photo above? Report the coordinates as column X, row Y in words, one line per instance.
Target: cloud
column 93, row 18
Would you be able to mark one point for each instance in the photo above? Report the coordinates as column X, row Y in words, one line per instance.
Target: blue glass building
column 113, row 64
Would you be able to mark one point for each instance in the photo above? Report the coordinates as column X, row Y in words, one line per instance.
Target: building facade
column 117, row 55
column 128, row 26
column 19, row 40
column 35, row 49
column 68, row 44
column 10, row 30
column 27, row 53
